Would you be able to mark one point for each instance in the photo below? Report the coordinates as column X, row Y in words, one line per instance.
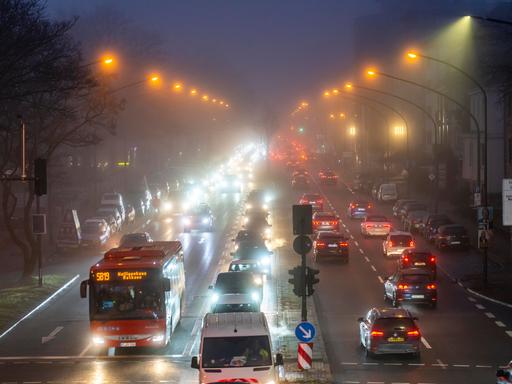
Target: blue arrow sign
column 305, row 332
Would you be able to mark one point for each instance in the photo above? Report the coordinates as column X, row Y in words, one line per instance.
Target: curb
column 40, row 305
column 495, row 301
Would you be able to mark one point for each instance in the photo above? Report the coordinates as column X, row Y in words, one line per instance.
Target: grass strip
column 15, row 302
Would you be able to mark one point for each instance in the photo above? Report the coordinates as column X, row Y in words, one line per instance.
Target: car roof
column 386, row 313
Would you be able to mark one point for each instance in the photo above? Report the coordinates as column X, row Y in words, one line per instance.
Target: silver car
column 389, row 331
column 397, row 242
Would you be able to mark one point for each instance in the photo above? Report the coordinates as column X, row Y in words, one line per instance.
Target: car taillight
column 403, row 286
column 387, row 225
column 319, row 201
column 334, row 223
column 433, row 259
column 413, row 333
column 411, row 243
column 320, row 244
column 405, row 260
column 343, row 244
column 316, row 222
column 431, row 286
column 352, row 206
column 376, row 333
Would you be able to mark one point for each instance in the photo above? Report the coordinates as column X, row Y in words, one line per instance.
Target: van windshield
column 244, row 351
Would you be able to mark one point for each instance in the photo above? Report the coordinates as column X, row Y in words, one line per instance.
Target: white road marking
column 352, row 237
column 367, row 259
column 479, row 306
column 360, row 250
column 51, row 335
column 84, row 351
column 356, row 243
column 373, row 268
column 509, row 333
column 440, row 364
column 425, row 343
column 483, row 366
column 490, row 315
column 417, row 364
column 394, row 364
column 195, row 328
column 500, row 324
column 472, row 299
column 370, row 363
column 380, row 279
column 461, row 365
column 347, row 363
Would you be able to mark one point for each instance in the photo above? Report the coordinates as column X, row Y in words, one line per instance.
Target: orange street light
column 335, row 91
column 154, row 80
column 214, row 101
column 331, row 116
column 342, row 115
column 371, row 73
column 178, row 87
column 226, row 105
column 412, row 55
column 205, row 97
column 327, row 93
column 348, row 86
column 352, row 131
column 304, row 104
column 193, row 92
column 221, row 102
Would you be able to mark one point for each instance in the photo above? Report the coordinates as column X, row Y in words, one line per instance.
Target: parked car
column 136, row 239
column 389, row 331
column 114, row 199
column 451, row 236
column 432, row 217
column 387, row 192
column 415, row 221
column 112, row 210
column 432, row 228
column 409, row 207
column 130, row 213
column 109, row 219
column 95, row 233
column 397, row 242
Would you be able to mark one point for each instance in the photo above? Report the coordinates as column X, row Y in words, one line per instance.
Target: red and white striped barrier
column 305, row 355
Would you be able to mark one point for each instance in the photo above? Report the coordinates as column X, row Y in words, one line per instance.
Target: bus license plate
column 130, row 344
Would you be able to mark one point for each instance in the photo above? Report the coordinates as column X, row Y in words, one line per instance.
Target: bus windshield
column 123, row 301
column 245, row 351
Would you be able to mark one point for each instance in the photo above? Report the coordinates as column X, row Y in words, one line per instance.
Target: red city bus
column 136, row 295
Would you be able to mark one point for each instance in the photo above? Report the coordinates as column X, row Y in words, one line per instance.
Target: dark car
column 359, row 209
column 249, row 236
column 389, row 331
column 399, row 204
column 415, row 221
column 256, row 252
column 201, row 218
column 330, row 243
column 258, row 222
column 314, row 199
column 137, row 239
column 325, row 221
column 412, row 285
column 431, row 218
column 412, row 258
column 451, row 236
column 432, row 227
column 409, row 207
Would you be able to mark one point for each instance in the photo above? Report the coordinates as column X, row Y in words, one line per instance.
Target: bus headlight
column 255, row 296
column 265, row 260
column 258, row 280
column 98, row 340
column 158, row 338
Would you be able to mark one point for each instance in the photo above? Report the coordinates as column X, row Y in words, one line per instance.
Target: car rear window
column 333, row 236
column 419, row 256
column 403, row 240
column 414, row 279
column 394, row 323
column 324, row 217
column 455, row 231
column 376, row 218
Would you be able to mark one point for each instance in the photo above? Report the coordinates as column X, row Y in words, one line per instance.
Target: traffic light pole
column 304, row 293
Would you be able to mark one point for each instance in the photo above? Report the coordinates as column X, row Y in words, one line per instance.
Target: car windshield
column 454, row 231
column 388, row 188
column 414, row 279
column 400, row 240
column 417, row 256
column 394, row 323
column 235, row 283
column 377, row 218
column 124, row 301
column 243, row 351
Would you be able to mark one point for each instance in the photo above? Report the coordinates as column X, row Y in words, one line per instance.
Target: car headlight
column 166, row 206
column 255, row 296
column 248, row 206
column 185, row 206
column 268, row 231
column 265, row 260
column 205, row 220
column 98, row 340
column 215, row 297
column 158, row 338
column 246, row 220
column 258, row 280
column 186, row 221
column 265, row 207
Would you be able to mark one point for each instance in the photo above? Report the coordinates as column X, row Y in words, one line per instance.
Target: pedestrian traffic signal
column 297, row 281
column 40, row 177
column 311, row 280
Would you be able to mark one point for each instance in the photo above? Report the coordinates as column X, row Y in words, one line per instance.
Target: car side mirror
column 83, row 288
column 166, row 284
column 194, row 363
column 279, row 360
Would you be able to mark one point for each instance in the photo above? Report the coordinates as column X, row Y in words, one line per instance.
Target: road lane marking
column 40, row 305
column 509, row 333
column 460, row 365
column 373, row 268
column 356, row 243
column 347, row 363
column 51, row 335
column 471, row 299
column 362, row 252
column 490, row 315
column 416, row 364
column 425, row 343
column 352, row 237
column 440, row 364
column 479, row 306
column 483, row 366
column 500, row 324
column 380, row 279
column 370, row 363
column 367, row 259
column 195, row 328
column 394, row 364
column 84, row 351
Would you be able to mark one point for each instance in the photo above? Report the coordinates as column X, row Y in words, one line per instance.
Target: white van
column 387, row 192
column 236, row 346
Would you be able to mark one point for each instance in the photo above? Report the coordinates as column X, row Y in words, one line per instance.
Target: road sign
column 302, row 219
column 484, row 235
column 305, row 331
column 507, row 201
column 302, row 244
column 305, row 356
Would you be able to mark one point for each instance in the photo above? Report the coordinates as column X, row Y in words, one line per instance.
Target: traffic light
column 40, row 177
column 311, row 280
column 297, row 281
